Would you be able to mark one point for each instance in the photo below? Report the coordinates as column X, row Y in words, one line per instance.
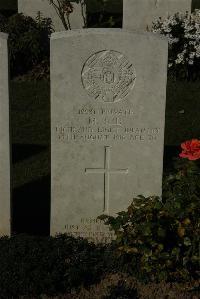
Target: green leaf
column 187, row 241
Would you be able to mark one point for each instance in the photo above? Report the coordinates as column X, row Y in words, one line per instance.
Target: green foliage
column 182, row 32
column 33, row 266
column 28, row 41
column 159, row 239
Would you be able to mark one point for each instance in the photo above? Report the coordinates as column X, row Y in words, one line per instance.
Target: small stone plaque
column 4, row 140
column 107, row 125
column 139, row 14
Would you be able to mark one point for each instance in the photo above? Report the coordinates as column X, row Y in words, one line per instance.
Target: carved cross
column 106, row 171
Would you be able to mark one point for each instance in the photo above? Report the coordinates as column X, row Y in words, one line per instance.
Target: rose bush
column 159, row 238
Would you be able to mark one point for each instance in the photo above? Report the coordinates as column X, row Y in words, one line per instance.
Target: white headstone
column 31, row 8
column 4, row 140
column 139, row 14
column 107, row 125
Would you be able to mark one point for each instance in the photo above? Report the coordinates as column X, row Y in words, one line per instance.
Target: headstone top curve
column 78, row 32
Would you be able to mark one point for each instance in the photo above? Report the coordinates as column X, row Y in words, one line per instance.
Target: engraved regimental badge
column 108, row 76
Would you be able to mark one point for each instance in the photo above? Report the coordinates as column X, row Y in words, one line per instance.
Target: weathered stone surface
column 4, row 140
column 139, row 14
column 107, row 125
column 31, row 8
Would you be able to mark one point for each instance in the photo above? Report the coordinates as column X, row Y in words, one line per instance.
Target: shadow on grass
column 21, row 152
column 31, row 208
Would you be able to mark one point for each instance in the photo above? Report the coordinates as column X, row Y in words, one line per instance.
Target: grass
column 182, row 112
column 30, row 123
column 30, row 112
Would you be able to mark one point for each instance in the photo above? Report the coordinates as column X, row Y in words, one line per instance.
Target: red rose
column 191, row 149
